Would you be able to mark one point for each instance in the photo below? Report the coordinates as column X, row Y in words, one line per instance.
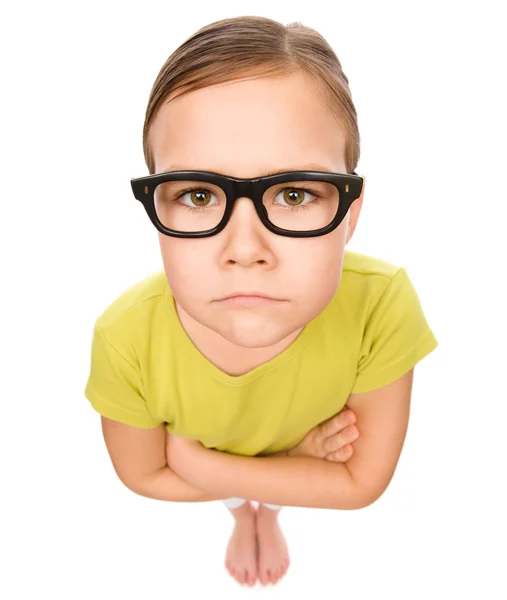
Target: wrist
column 280, row 453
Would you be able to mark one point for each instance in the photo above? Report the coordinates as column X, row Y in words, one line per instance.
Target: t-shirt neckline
column 202, row 362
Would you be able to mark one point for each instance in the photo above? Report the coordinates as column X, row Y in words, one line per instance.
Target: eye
column 295, row 196
column 199, row 197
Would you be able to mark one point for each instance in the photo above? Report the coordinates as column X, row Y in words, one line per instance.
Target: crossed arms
column 382, row 419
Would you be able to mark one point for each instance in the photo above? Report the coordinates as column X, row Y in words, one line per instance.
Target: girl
column 261, row 326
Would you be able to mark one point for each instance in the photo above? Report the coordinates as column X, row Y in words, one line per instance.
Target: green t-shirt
column 145, row 370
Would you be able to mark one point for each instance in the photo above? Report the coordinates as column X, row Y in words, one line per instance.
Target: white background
column 428, row 84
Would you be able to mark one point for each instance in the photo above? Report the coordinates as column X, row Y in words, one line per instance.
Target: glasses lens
column 189, row 206
column 301, row 205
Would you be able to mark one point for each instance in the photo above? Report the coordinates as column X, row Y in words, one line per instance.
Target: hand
column 330, row 439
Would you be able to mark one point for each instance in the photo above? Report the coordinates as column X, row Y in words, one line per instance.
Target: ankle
column 243, row 512
column 265, row 512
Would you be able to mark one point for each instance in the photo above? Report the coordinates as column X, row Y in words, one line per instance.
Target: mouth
column 249, row 299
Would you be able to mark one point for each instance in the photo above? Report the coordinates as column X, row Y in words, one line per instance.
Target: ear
column 355, row 210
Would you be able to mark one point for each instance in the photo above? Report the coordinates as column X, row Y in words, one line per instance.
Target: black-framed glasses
column 195, row 204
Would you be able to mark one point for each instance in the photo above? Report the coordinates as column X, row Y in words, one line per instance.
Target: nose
column 244, row 213
column 245, row 235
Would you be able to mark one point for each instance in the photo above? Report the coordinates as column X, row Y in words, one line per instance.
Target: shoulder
column 385, row 308
column 365, row 278
column 134, row 302
column 368, row 268
column 374, row 284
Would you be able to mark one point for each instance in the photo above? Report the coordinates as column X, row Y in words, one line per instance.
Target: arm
column 139, row 460
column 285, row 480
column 382, row 417
column 165, row 484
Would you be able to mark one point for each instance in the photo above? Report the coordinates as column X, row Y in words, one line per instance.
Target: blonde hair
column 234, row 48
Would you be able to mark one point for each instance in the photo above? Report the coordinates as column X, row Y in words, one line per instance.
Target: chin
column 253, row 334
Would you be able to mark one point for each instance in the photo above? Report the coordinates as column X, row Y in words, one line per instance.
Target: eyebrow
column 309, row 167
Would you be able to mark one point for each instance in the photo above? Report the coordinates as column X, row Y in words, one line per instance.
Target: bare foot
column 273, row 560
column 240, row 560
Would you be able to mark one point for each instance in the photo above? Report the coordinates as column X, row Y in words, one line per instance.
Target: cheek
column 318, row 273
column 180, row 257
column 316, row 259
column 186, row 266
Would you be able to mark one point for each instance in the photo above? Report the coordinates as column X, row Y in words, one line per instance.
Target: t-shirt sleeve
column 396, row 336
column 114, row 385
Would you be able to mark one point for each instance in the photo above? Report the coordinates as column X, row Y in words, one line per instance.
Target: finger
column 342, row 455
column 337, row 423
column 341, row 439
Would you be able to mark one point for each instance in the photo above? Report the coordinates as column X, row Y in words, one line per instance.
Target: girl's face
column 246, row 129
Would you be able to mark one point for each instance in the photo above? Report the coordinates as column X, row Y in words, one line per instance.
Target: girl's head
column 245, row 97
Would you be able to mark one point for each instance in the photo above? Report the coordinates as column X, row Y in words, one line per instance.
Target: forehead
column 244, row 125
